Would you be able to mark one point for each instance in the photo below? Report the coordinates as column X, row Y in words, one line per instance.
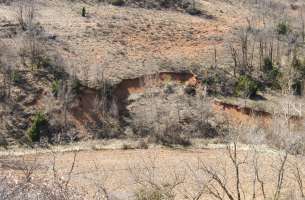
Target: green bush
column 117, row 2
column 55, row 88
column 268, row 64
column 84, row 12
column 271, row 73
column 193, row 11
column 217, row 83
column 16, row 77
column 282, row 28
column 246, row 87
column 212, row 78
column 76, row 86
column 34, row 132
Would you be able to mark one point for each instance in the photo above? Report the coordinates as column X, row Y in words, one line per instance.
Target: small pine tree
column 34, row 132
column 282, row 28
column 84, row 13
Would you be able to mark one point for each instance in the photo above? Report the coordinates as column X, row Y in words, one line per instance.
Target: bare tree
column 219, row 182
column 152, row 185
column 8, row 68
column 298, row 174
column 29, row 185
column 280, row 177
column 25, row 14
column 257, row 179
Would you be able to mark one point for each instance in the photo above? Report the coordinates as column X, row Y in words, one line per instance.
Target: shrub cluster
column 246, row 87
column 193, row 11
column 76, row 86
column 117, row 2
column 55, row 88
column 16, row 77
column 272, row 74
column 298, row 81
column 282, row 28
column 34, row 132
column 169, row 139
column 153, row 194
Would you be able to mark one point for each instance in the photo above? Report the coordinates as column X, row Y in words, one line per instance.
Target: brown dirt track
column 113, row 168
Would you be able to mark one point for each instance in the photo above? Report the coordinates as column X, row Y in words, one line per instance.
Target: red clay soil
column 249, row 116
column 239, row 115
column 84, row 110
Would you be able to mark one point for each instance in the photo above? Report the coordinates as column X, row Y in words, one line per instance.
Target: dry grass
column 134, row 39
column 159, row 173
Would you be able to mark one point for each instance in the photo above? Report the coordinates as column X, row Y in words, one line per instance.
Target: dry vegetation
column 155, row 174
column 157, row 73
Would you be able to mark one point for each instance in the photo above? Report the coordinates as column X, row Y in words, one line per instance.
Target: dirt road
column 121, row 171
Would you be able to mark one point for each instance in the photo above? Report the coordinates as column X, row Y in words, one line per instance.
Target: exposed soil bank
column 249, row 116
column 242, row 115
column 86, row 110
column 138, row 85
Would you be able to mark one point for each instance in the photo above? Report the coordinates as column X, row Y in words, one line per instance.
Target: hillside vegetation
column 75, row 70
column 155, row 73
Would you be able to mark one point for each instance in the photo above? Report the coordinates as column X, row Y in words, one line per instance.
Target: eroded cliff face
column 162, row 98
column 132, row 99
column 93, row 107
column 246, row 115
column 141, row 84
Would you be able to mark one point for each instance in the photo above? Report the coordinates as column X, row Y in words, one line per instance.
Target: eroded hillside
column 163, row 70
